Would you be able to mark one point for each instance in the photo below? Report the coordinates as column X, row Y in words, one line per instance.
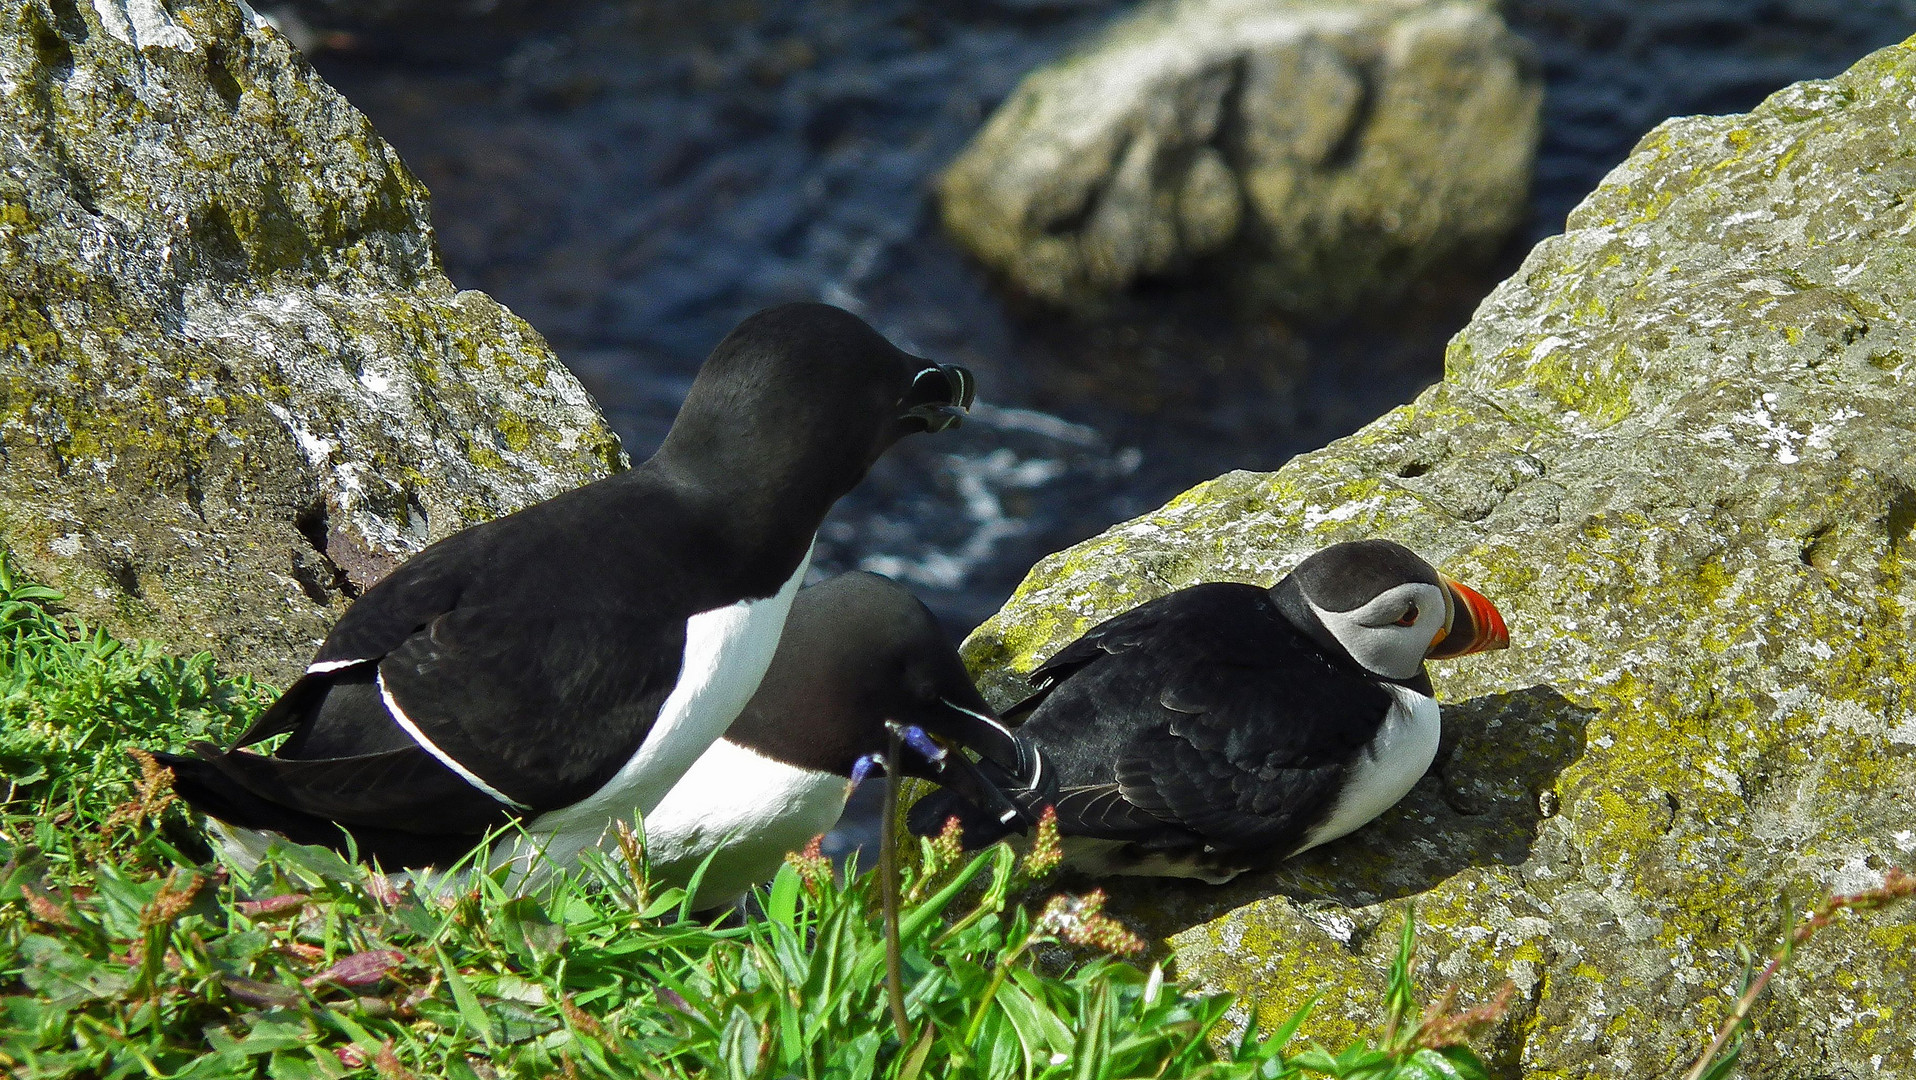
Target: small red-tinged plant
column 1443, row 1025
column 271, row 907
column 1046, row 853
column 632, row 851
column 1080, row 920
column 359, row 969
column 814, row 869
column 941, row 853
column 44, row 908
column 387, row 1063
column 1719, row 1058
column 153, row 795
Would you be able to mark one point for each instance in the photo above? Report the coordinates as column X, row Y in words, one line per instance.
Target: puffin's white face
column 1391, row 634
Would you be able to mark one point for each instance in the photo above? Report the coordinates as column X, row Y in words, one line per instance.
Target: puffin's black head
column 1377, row 603
column 860, row 650
column 812, row 390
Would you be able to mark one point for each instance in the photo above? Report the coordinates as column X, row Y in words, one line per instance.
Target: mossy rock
column 1678, row 450
column 235, row 385
column 1319, row 154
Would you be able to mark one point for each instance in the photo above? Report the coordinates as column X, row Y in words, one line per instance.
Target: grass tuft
column 74, row 702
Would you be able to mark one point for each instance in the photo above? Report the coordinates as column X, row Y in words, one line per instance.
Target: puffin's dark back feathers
column 1165, row 726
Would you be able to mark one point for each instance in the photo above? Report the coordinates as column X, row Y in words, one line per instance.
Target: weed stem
column 888, row 878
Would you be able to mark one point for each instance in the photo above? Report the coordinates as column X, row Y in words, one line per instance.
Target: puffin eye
column 1409, row 618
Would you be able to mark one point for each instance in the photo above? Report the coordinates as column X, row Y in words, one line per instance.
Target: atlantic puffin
column 860, row 655
column 1227, row 726
column 561, row 667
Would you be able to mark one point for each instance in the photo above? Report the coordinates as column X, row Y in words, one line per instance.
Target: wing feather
column 546, row 726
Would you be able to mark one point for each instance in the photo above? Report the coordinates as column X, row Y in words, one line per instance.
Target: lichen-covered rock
column 1330, row 150
column 1678, row 450
column 235, row 386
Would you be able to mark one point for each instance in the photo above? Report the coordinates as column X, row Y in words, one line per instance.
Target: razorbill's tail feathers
column 223, row 786
column 861, row 658
column 1225, row 726
column 561, row 667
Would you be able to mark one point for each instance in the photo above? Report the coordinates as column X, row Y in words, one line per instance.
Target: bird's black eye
column 1408, row 618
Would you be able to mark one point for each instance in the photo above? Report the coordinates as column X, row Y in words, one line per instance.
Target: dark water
column 633, row 183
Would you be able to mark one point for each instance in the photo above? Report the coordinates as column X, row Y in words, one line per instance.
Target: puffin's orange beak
column 1475, row 625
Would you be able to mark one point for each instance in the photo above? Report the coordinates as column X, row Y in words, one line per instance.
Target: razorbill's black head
column 860, row 653
column 811, row 388
column 860, row 650
column 1225, row 725
column 561, row 667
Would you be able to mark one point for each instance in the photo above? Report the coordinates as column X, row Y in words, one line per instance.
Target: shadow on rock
column 1481, row 804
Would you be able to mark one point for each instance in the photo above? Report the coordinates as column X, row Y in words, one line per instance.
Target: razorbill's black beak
column 939, row 396
column 970, row 782
column 1008, row 765
column 977, row 730
column 1475, row 625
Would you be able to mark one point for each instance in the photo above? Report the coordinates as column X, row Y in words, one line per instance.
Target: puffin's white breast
column 1388, row 768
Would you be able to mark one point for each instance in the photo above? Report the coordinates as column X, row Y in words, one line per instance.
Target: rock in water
column 1331, row 150
column 1678, row 450
column 237, row 385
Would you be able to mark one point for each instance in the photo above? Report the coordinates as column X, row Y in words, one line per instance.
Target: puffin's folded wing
column 1118, row 634
column 1249, row 757
column 543, row 706
column 1192, row 622
column 1230, row 803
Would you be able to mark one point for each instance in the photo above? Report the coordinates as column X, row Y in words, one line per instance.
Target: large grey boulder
column 237, row 386
column 1678, row 449
column 1331, row 150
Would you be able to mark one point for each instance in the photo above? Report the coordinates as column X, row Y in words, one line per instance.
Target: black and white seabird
column 860, row 653
column 562, row 666
column 1226, row 726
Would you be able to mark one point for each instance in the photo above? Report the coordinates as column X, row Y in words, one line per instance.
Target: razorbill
column 859, row 653
column 559, row 668
column 1226, row 726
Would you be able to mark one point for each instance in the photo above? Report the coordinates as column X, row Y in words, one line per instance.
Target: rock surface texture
column 1678, row 449
column 237, row 387
column 1331, row 150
